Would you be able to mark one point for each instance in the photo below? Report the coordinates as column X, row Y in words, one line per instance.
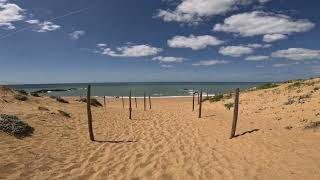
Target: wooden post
column 89, row 113
column 149, row 101
column 235, row 113
column 135, row 99
column 198, row 98
column 207, row 95
column 200, row 106
column 193, row 101
column 130, row 108
column 104, row 101
column 144, row 101
column 122, row 103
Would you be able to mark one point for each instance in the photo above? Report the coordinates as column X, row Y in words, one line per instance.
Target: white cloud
column 259, row 45
column 101, row 45
column 77, row 34
column 193, row 11
column 235, row 51
column 273, row 37
column 256, row 58
column 166, row 66
column 210, row 63
column 132, row 51
column 44, row 26
column 169, row 59
column 193, row 42
column 297, row 54
column 10, row 13
column 280, row 65
column 262, row 23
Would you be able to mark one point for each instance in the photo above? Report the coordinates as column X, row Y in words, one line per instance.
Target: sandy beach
column 169, row 141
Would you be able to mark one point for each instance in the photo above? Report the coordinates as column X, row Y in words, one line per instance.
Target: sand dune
column 169, row 141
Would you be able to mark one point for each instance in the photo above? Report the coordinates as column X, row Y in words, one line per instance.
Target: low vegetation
column 229, row 105
column 23, row 92
column 43, row 108
column 14, row 126
column 216, row 98
column 65, row 114
column 34, row 94
column 295, row 85
column 312, row 125
column 267, row 86
column 93, row 102
column 20, row 97
column 61, row 100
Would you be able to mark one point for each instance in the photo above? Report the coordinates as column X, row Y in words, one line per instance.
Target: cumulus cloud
column 101, row 45
column 193, row 42
column 9, row 13
column 297, row 54
column 131, row 51
column 256, row 58
column 166, row 66
column 259, row 45
column 262, row 23
column 210, row 63
column 235, row 51
column 169, row 59
column 77, row 34
column 274, row 37
column 193, row 11
column 44, row 26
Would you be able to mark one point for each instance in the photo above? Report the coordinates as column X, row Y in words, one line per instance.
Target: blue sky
column 60, row 41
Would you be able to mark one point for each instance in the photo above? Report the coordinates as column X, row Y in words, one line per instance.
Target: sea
column 138, row 89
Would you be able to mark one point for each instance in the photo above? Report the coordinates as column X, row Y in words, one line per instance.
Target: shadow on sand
column 247, row 132
column 114, row 142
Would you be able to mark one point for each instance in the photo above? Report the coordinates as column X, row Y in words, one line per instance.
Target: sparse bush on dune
column 94, row 102
column 295, row 85
column 216, row 98
column 61, row 100
column 43, row 109
column 14, row 126
column 34, row 94
column 229, row 105
column 20, row 97
column 267, row 86
column 65, row 114
column 313, row 125
column 23, row 92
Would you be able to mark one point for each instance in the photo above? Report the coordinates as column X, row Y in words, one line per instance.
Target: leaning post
column 135, row 99
column 144, row 101
column 130, row 108
column 89, row 113
column 149, row 101
column 235, row 113
column 200, row 106
column 193, row 101
column 104, row 101
column 122, row 103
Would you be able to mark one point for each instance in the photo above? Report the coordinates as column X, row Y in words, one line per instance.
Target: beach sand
column 169, row 141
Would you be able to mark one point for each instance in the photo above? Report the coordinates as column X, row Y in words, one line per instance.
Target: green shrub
column 59, row 99
column 93, row 101
column 14, row 126
column 267, row 86
column 23, row 92
column 295, row 85
column 313, row 125
column 229, row 105
column 20, row 97
column 65, row 114
column 35, row 94
column 216, row 98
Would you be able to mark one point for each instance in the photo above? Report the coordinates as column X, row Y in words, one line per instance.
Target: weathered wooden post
column 193, row 101
column 89, row 113
column 130, row 108
column 207, row 95
column 135, row 99
column 149, row 101
column 144, row 101
column 200, row 106
column 198, row 98
column 122, row 103
column 104, row 101
column 235, row 113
